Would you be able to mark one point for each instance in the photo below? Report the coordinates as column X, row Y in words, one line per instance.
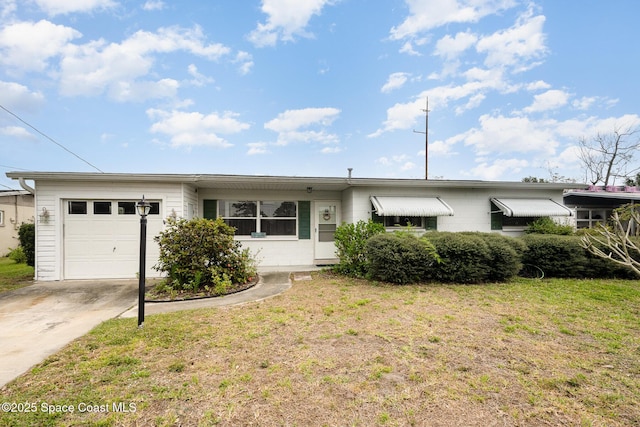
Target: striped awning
column 531, row 207
column 410, row 206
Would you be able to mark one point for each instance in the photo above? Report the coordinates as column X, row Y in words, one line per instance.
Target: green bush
column 27, row 237
column 18, row 255
column 201, row 253
column 350, row 241
column 465, row 258
column 546, row 225
column 505, row 255
column 399, row 258
column 557, row 256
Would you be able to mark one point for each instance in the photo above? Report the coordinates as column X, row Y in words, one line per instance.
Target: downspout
column 26, row 187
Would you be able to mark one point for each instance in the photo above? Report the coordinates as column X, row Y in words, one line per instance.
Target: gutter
column 24, row 185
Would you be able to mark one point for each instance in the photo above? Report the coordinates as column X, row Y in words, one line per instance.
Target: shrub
column 557, row 256
column 350, row 241
column 18, row 255
column 546, row 225
column 399, row 258
column 27, row 237
column 201, row 253
column 505, row 255
column 465, row 258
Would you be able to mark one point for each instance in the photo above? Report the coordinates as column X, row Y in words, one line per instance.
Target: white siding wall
column 50, row 195
column 275, row 251
column 471, row 206
column 190, row 197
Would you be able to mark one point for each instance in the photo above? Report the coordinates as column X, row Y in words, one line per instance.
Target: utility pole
column 426, row 141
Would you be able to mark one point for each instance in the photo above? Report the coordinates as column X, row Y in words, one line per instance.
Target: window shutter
column 304, row 220
column 210, row 208
column 496, row 218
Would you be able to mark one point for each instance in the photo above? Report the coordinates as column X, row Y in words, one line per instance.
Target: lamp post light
column 143, row 208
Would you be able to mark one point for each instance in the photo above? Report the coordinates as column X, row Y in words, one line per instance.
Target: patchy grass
column 14, row 276
column 336, row 351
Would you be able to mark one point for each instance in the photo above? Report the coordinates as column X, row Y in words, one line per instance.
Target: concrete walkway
column 38, row 320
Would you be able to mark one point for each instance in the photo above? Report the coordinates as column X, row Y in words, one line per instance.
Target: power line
column 50, row 139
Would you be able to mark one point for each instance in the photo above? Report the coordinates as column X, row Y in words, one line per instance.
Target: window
column 102, row 208
column 500, row 221
column 1, row 218
column 77, row 208
column 427, row 223
column 273, row 218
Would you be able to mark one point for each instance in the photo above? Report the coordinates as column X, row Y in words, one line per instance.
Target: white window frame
column 223, row 204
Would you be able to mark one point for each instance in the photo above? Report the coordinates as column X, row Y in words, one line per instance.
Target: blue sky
column 311, row 88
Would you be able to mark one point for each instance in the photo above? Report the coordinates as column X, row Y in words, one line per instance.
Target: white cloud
column 450, row 47
column 286, row 19
column 584, row 103
column 246, row 62
column 499, row 134
column 331, row 150
column 292, row 120
column 154, row 5
column 426, row 15
column 190, row 129
column 198, row 79
column 395, row 81
column 549, row 100
column 257, row 148
column 499, row 167
column 7, row 8
column 91, row 68
column 135, row 91
column 28, row 46
column 15, row 96
column 17, row 132
column 517, row 47
column 62, row 7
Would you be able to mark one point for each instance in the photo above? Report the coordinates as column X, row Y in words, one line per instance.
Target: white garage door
column 102, row 239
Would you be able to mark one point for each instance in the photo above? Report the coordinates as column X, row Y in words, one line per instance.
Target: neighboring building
column 16, row 207
column 87, row 226
column 595, row 204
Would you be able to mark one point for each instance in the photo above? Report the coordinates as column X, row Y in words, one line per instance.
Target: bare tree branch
column 615, row 243
column 606, row 157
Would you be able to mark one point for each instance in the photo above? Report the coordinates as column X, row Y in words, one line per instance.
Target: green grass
column 335, row 351
column 14, row 276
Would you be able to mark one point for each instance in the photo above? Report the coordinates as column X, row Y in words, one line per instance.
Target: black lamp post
column 143, row 208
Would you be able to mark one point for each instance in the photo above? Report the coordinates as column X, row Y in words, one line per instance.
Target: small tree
column 615, row 242
column 27, row 237
column 200, row 253
column 351, row 240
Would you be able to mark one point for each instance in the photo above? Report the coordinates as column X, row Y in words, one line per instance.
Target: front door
column 327, row 218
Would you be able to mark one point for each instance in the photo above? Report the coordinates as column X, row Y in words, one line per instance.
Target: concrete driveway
column 38, row 320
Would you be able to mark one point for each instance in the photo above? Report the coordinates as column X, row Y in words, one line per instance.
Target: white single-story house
column 87, row 226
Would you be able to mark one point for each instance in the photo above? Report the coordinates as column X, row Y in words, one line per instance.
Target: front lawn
column 336, row 351
column 14, row 276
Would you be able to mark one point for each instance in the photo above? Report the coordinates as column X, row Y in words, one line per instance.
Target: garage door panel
column 107, row 245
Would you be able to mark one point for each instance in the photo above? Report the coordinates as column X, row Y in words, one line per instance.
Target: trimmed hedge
column 465, row 258
column 399, row 258
column 505, row 255
column 557, row 256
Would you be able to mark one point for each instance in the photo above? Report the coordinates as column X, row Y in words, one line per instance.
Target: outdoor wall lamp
column 44, row 215
column 143, row 207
